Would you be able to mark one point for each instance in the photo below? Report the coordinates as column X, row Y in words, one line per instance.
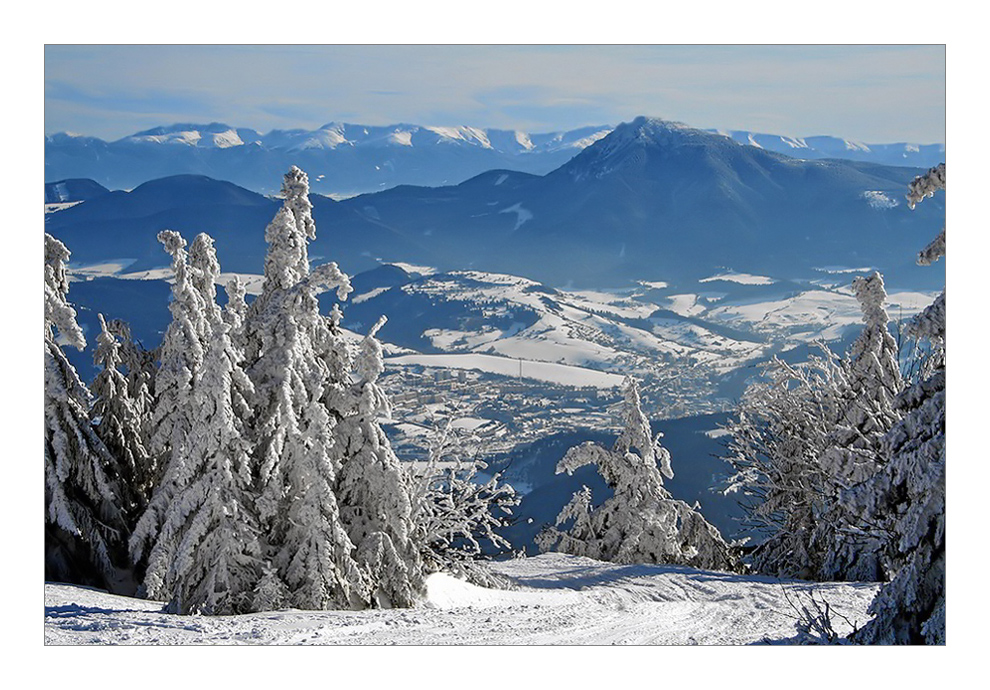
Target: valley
column 516, row 304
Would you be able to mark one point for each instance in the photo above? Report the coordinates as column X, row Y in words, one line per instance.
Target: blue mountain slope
column 70, row 190
column 652, row 200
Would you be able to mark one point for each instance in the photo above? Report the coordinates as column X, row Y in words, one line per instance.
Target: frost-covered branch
column 926, row 185
column 455, row 509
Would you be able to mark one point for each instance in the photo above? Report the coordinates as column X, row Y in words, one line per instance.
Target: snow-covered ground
column 558, row 599
column 541, row 371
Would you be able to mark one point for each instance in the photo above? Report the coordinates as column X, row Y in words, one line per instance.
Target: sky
column 876, row 94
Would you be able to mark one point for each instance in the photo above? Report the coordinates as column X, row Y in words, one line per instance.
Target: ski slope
column 557, row 599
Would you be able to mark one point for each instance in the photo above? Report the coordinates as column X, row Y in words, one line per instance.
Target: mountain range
column 348, row 159
column 652, row 200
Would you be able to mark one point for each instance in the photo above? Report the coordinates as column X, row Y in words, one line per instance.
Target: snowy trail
column 560, row 600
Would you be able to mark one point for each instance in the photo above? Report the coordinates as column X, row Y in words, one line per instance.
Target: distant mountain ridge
column 342, row 159
column 653, row 200
column 347, row 159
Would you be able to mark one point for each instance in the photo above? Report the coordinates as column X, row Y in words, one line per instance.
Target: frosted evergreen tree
column 119, row 425
column 577, row 512
column 641, row 522
column 235, row 312
column 203, row 275
column 181, row 355
column 285, row 336
column 908, row 494
column 140, row 366
column 85, row 531
column 372, row 488
column 207, row 556
column 855, row 548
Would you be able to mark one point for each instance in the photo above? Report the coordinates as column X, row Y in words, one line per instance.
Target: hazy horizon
column 877, row 94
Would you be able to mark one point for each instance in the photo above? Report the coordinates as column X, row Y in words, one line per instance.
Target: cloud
column 869, row 93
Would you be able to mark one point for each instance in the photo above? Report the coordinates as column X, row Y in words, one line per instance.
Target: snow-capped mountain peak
column 213, row 135
column 629, row 144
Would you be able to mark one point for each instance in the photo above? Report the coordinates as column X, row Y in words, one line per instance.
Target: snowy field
column 559, row 599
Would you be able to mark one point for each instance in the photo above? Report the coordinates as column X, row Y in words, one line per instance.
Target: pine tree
column 181, row 355
column 285, row 337
column 372, row 488
column 119, row 426
column 908, row 494
column 207, row 557
column 641, row 522
column 85, row 531
column 140, row 365
column 235, row 312
column 854, row 548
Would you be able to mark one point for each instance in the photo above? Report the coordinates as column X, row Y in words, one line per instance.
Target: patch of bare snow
column 522, row 215
column 562, row 374
column 741, row 278
column 879, row 200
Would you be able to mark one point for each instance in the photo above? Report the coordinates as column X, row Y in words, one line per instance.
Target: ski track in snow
column 560, row 599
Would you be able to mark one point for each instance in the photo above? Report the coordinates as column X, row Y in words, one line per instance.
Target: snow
column 879, row 200
column 834, row 270
column 462, row 133
column 522, row 215
column 61, row 206
column 812, row 314
column 109, row 267
column 401, row 138
column 741, row 278
column 363, row 297
column 562, row 374
column 224, row 140
column 412, row 268
column 684, row 305
column 469, row 423
column 557, row 599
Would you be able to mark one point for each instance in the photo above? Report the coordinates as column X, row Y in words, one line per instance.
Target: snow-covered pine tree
column 140, row 365
column 872, row 380
column 372, row 488
column 207, row 556
column 85, row 531
column 204, row 271
column 908, row 494
column 641, row 522
column 285, row 347
column 180, row 355
column 236, row 311
column 577, row 512
column 119, row 426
